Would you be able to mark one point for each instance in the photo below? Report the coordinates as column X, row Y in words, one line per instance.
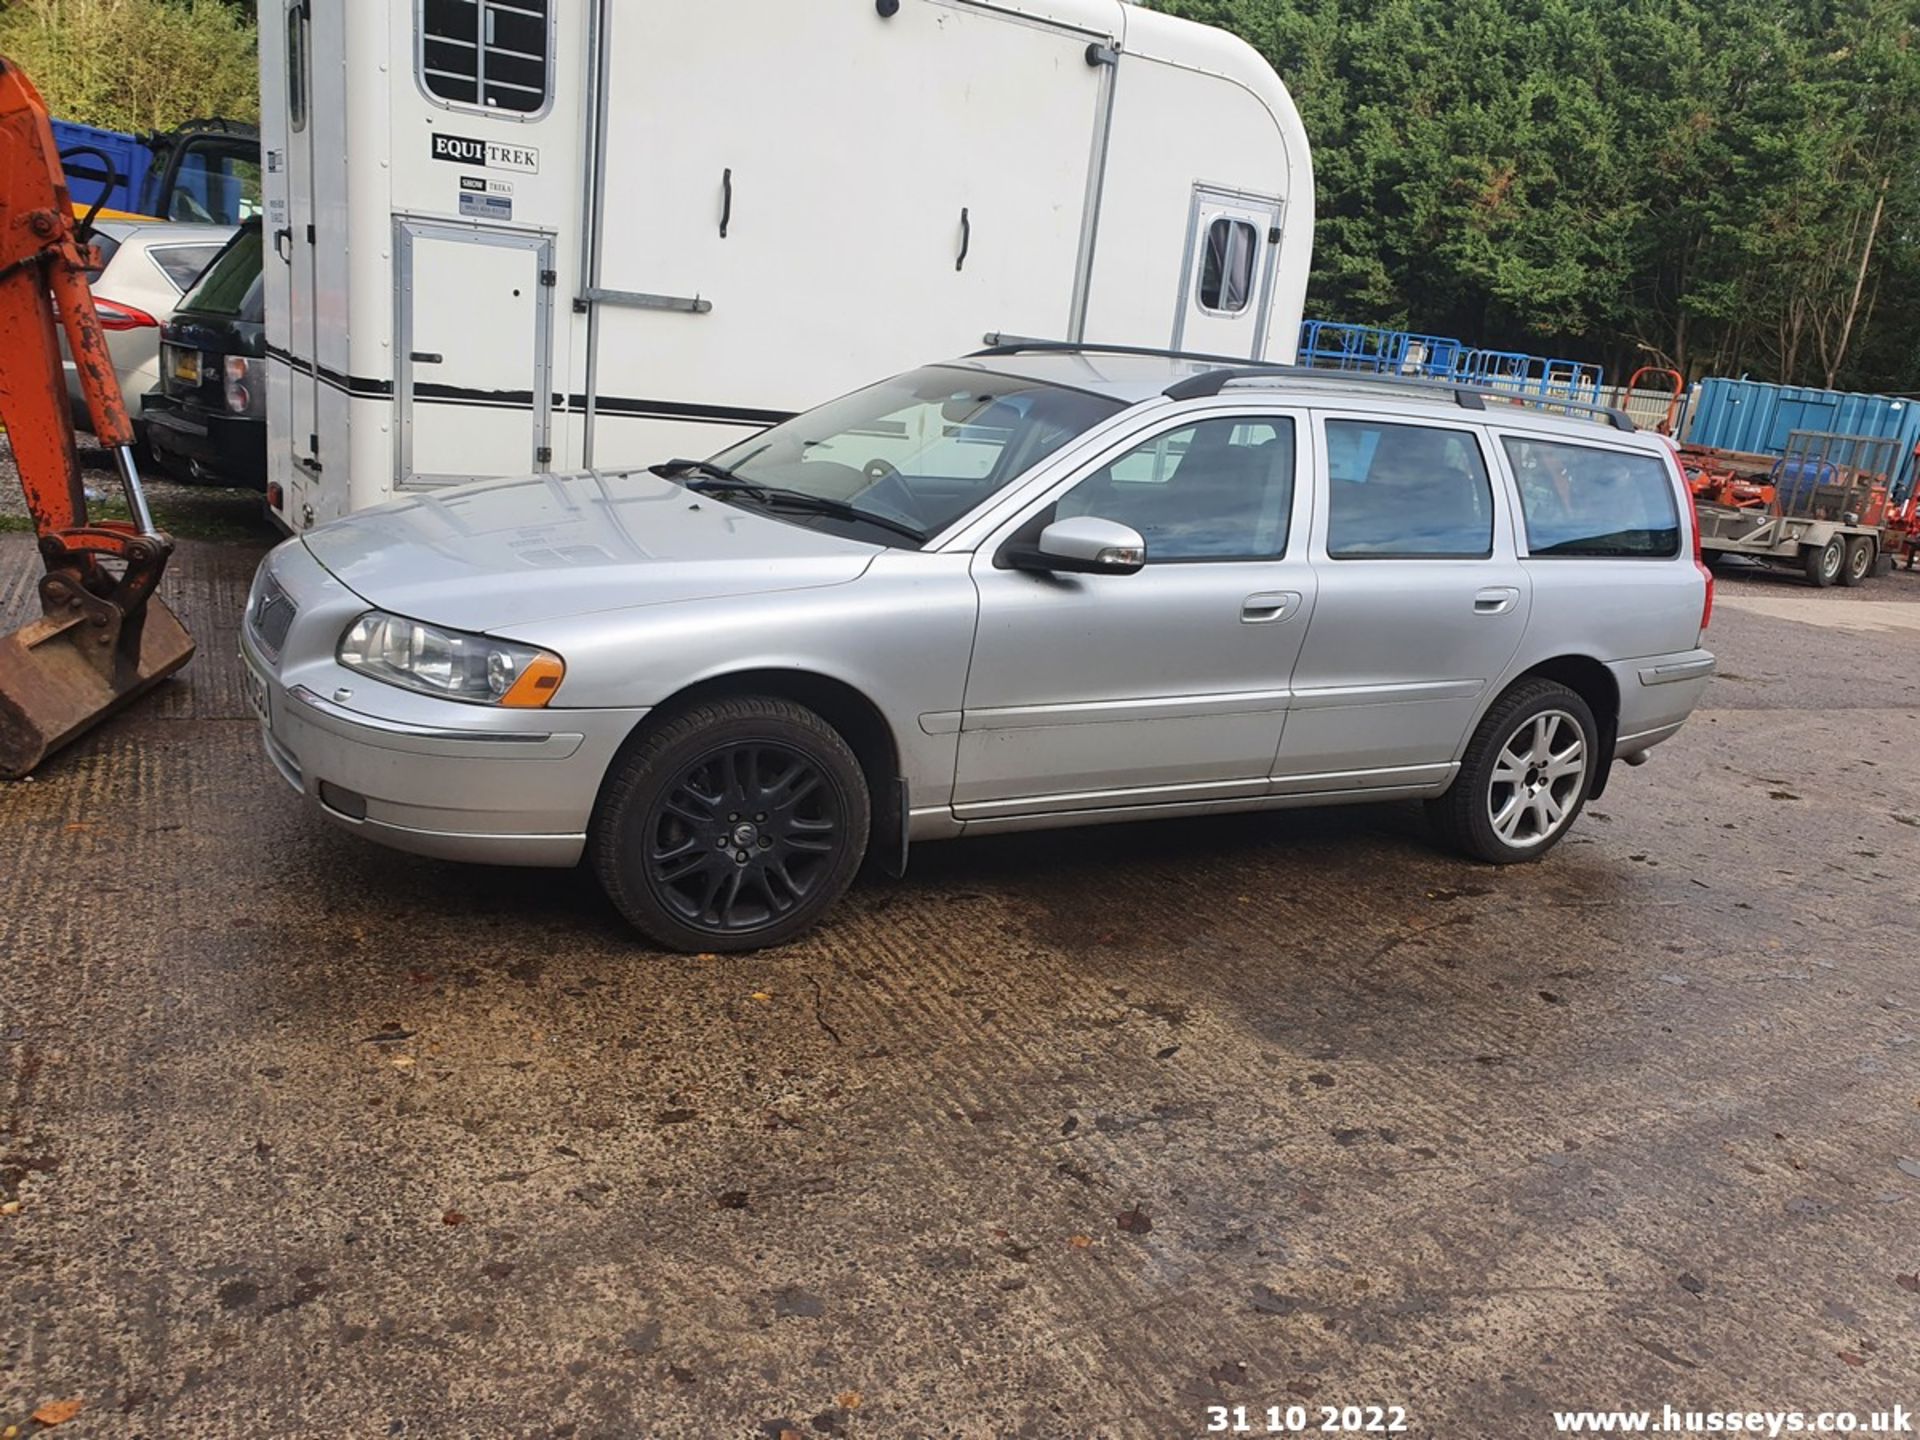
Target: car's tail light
column 115, row 316
column 1693, row 515
column 1706, row 573
column 239, row 398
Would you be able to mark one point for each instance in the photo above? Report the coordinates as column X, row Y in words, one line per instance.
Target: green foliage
column 136, row 65
column 1724, row 185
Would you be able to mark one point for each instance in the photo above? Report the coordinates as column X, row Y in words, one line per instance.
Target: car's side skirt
column 1173, row 809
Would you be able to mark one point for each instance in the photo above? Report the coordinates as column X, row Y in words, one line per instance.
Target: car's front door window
column 1218, row 490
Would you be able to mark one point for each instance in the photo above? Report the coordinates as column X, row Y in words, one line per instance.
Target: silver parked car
column 1040, row 586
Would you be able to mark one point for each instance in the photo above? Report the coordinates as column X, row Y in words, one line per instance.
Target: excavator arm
column 104, row 637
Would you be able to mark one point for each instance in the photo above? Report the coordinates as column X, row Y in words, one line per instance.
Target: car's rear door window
column 1593, row 502
column 1406, row 491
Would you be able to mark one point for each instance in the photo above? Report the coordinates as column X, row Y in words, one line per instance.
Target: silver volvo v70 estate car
column 1039, row 586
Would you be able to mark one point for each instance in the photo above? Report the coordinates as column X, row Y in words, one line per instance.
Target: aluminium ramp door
column 473, row 343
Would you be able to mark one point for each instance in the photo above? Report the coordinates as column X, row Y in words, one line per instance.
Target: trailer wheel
column 1825, row 563
column 1861, row 555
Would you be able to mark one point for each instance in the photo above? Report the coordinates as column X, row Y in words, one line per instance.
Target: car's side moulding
column 1333, row 696
column 1693, row 668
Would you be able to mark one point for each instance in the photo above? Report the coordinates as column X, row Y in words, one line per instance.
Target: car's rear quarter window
column 182, row 264
column 105, row 246
column 1587, row 501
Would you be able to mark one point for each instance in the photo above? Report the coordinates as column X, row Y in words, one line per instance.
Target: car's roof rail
column 1235, row 368
column 999, row 344
column 1468, row 397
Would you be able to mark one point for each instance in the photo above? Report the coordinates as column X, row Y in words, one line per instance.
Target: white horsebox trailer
column 512, row 236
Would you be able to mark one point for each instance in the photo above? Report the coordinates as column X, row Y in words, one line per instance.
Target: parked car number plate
column 256, row 687
column 186, row 365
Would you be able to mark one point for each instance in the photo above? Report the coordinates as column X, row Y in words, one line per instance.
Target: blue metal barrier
column 1338, row 346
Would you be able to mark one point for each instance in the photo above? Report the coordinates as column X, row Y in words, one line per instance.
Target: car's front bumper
column 428, row 776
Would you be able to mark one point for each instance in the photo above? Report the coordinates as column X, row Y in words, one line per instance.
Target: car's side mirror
column 1082, row 545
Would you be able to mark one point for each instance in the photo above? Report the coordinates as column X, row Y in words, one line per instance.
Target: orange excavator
column 104, row 637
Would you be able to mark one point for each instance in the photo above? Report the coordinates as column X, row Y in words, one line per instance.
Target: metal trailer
column 1828, row 513
column 1754, row 418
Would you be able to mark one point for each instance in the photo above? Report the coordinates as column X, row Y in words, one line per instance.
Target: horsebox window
column 297, row 23
column 1226, row 277
column 489, row 54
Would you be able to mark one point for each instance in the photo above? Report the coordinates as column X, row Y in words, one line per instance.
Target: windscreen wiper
column 739, row 484
column 717, row 479
column 841, row 510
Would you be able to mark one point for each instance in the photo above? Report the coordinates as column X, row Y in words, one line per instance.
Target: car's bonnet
column 511, row 552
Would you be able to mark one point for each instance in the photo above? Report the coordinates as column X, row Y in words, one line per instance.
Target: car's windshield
column 921, row 449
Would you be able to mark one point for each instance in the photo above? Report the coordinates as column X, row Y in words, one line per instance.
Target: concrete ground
column 1067, row 1135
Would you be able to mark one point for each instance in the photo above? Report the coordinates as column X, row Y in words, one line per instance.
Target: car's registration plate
column 186, row 364
column 256, row 688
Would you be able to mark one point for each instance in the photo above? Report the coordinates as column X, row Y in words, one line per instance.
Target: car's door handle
column 427, row 357
column 1496, row 600
column 1266, row 608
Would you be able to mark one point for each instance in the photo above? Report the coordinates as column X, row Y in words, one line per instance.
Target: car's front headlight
column 449, row 663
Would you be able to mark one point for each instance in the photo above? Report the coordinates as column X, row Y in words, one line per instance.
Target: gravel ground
column 206, row 512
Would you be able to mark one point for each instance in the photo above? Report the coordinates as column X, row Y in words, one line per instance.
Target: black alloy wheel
column 734, row 825
column 743, row 836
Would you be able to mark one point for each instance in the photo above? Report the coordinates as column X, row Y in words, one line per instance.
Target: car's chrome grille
column 270, row 613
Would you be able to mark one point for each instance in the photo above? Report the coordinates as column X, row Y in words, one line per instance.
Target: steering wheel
column 887, row 492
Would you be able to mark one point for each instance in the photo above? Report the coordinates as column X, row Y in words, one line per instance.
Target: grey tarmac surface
column 1066, row 1135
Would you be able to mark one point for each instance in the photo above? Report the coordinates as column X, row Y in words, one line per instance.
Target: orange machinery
column 1730, row 478
column 104, row 637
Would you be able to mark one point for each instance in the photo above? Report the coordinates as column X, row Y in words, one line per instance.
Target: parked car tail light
column 239, row 397
column 1706, row 571
column 115, row 316
column 1693, row 518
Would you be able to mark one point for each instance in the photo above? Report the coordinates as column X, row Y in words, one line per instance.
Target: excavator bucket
column 51, row 689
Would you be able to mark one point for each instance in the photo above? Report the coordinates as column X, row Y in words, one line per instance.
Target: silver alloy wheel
column 1537, row 778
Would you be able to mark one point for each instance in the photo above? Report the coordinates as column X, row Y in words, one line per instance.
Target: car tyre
column 731, row 826
column 1826, row 563
column 1525, row 776
column 1861, row 555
